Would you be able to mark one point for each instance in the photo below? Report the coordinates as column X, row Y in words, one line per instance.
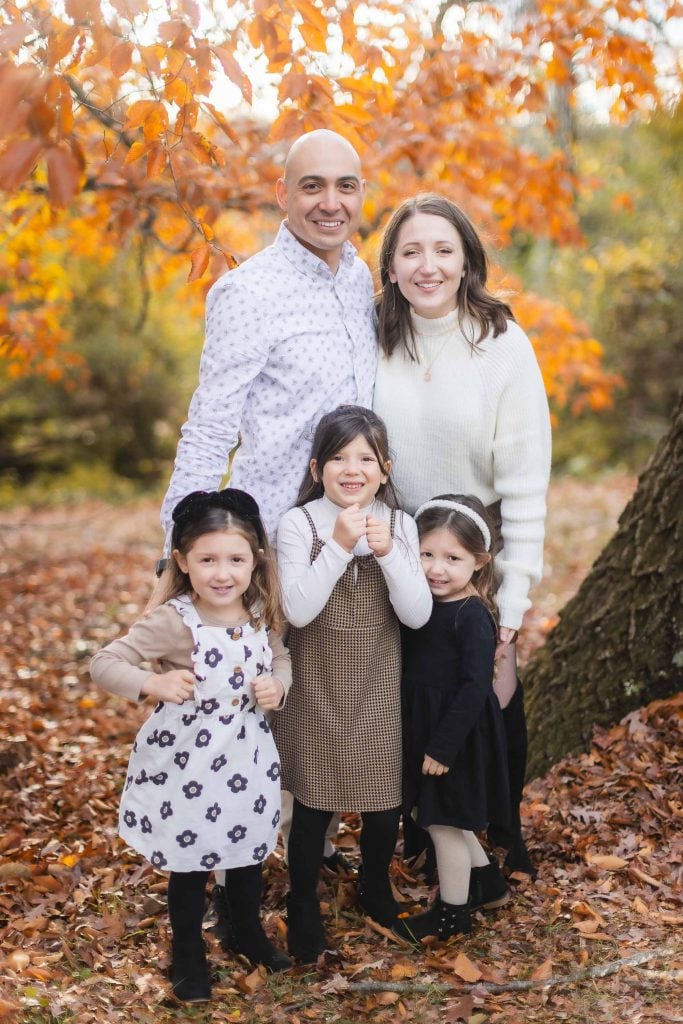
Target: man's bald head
column 322, row 193
column 308, row 147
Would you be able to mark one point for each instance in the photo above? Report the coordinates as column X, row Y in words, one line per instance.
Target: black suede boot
column 378, row 901
column 488, row 888
column 244, row 890
column 306, row 938
column 220, row 917
column 441, row 921
column 510, row 836
column 189, row 972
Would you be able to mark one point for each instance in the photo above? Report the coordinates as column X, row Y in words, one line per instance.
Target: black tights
column 186, row 891
column 306, row 841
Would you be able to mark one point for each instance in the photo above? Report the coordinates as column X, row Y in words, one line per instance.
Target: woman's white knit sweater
column 480, row 426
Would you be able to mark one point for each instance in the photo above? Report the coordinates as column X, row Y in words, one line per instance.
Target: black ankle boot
column 189, row 972
column 306, row 938
column 219, row 917
column 441, row 921
column 488, row 888
column 378, row 902
column 244, row 890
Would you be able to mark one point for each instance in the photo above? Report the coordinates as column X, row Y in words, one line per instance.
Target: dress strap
column 392, row 521
column 310, row 522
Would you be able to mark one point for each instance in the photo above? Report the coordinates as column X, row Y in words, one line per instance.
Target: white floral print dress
column 203, row 784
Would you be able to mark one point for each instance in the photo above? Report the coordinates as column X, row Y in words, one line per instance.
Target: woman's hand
column 174, row 686
column 378, row 536
column 432, row 767
column 268, row 691
column 349, row 527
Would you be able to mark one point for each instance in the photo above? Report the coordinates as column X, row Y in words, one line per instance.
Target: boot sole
column 494, row 904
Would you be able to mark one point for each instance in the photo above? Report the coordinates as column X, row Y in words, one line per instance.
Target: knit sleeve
column 521, row 467
column 475, row 645
column 306, row 586
column 121, row 667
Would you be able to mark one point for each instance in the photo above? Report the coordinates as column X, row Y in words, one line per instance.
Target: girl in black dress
column 455, row 762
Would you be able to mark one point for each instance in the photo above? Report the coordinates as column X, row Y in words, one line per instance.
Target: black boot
column 306, row 938
column 441, row 921
column 244, row 889
column 189, row 972
column 488, row 888
column 510, row 836
column 378, row 901
column 219, row 917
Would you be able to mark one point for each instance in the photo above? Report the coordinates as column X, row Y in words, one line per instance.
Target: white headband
column 465, row 510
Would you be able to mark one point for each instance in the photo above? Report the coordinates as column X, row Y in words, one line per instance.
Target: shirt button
column 235, row 701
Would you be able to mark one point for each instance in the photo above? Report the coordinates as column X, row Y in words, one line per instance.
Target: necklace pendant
column 427, row 375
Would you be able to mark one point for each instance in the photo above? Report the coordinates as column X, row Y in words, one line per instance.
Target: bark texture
column 619, row 641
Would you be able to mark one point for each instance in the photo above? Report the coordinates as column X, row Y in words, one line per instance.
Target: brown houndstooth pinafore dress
column 339, row 733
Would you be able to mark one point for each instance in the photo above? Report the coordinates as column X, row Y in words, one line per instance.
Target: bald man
column 289, row 336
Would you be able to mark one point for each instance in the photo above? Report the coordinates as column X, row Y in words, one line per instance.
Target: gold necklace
column 427, row 375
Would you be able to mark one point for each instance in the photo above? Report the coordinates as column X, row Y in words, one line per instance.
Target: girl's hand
column 432, row 767
column 268, row 692
column 349, row 527
column 174, row 687
column 378, row 534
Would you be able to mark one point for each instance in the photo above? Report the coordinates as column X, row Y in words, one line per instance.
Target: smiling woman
column 462, row 395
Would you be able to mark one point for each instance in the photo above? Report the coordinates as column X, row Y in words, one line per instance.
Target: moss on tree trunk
column 619, row 641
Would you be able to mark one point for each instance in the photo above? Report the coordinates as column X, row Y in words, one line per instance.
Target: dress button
column 235, row 701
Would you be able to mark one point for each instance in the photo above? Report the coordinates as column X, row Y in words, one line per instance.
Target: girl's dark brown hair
column 474, row 300
column 262, row 596
column 334, row 431
column 469, row 535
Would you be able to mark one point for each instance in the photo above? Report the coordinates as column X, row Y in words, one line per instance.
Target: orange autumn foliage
column 117, row 124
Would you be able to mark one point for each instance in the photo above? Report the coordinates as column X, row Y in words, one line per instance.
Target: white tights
column 457, row 852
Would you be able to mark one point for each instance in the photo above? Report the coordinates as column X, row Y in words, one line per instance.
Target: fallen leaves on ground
column 83, row 926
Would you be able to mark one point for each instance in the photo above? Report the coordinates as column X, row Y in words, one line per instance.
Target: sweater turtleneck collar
column 432, row 327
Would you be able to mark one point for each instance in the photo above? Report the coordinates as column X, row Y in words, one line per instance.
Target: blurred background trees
column 140, row 143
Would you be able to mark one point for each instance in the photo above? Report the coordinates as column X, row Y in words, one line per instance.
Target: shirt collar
column 306, row 261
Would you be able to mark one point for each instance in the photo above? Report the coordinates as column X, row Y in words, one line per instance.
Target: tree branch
column 559, row 981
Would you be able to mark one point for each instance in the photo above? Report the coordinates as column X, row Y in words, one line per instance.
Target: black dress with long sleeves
column 451, row 713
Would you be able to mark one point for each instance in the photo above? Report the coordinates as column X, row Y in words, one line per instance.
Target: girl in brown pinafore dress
column 350, row 571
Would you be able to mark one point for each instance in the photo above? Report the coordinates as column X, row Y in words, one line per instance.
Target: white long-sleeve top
column 480, row 425
column 307, row 586
column 286, row 341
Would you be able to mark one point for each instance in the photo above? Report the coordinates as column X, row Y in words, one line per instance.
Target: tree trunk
column 619, row 641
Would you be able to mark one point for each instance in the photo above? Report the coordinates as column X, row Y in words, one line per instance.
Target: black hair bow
column 231, row 499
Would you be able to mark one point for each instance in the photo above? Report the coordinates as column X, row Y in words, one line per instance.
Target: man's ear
column 281, row 193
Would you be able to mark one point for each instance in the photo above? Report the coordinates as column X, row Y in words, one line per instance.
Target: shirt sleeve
column 234, row 354
column 521, row 467
column 119, row 667
column 476, row 646
column 306, row 586
column 408, row 589
column 281, row 666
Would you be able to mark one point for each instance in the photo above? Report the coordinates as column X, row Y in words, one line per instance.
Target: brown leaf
column 63, row 175
column 466, row 969
column 543, row 972
column 17, row 162
column 200, row 261
column 608, row 862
